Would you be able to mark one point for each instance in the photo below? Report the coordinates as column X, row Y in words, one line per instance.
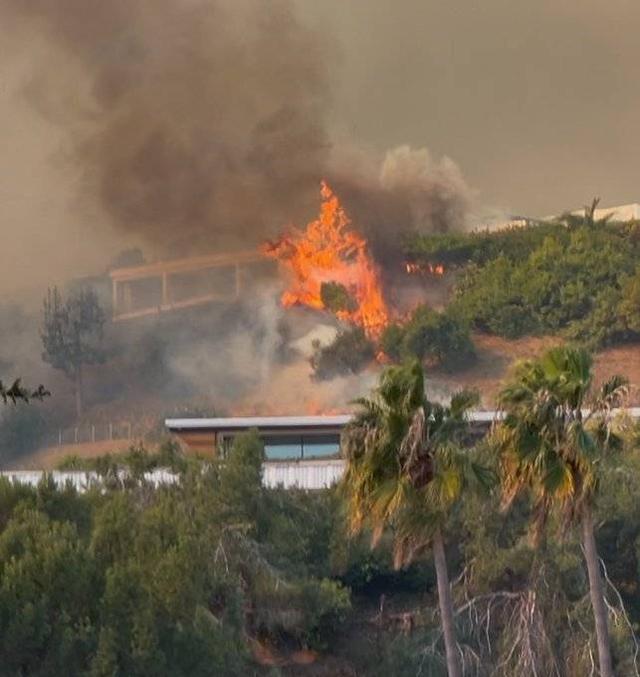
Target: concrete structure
column 159, row 287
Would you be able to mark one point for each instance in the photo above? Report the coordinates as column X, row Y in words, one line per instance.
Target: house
column 291, row 438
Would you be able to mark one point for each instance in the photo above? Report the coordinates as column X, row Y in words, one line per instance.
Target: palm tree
column 554, row 437
column 405, row 472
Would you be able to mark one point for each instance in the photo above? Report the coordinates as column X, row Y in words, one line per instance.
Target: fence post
column 75, row 435
column 59, row 437
column 93, row 432
column 110, row 431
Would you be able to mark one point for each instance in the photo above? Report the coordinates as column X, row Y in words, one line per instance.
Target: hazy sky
column 538, row 102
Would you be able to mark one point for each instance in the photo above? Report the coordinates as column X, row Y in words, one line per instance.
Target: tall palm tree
column 554, row 437
column 405, row 472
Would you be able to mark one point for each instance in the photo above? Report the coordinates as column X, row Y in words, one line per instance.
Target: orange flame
column 328, row 250
column 425, row 269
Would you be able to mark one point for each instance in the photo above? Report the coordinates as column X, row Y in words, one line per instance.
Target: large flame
column 330, row 251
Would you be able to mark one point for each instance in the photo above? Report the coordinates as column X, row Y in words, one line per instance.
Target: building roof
column 238, row 423
column 260, row 422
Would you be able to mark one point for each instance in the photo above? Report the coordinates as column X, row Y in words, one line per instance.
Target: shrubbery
column 171, row 581
column 349, row 353
column 439, row 338
column 580, row 281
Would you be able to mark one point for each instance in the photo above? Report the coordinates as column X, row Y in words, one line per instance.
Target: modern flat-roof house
column 291, row 438
column 301, row 451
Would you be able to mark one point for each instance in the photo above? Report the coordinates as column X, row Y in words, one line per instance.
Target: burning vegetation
column 330, row 267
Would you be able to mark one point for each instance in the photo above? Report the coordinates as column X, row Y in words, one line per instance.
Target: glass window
column 321, row 446
column 283, row 447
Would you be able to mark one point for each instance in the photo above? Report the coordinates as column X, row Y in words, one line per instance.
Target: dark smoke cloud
column 203, row 121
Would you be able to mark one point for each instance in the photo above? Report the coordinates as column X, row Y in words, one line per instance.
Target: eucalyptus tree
column 72, row 333
column 554, row 439
column 406, row 471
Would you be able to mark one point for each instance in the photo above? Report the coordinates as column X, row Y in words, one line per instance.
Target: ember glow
column 436, row 270
column 330, row 251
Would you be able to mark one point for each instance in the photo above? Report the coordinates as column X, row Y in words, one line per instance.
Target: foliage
column 576, row 278
column 553, row 440
column 349, row 353
column 556, row 431
column 72, row 333
column 136, row 460
column 72, row 330
column 439, row 338
column 461, row 249
column 336, row 298
column 136, row 581
column 405, row 467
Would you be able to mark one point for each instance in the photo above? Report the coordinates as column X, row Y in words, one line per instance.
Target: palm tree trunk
column 597, row 594
column 446, row 606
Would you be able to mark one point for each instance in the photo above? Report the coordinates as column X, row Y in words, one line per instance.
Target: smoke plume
column 197, row 122
column 202, row 124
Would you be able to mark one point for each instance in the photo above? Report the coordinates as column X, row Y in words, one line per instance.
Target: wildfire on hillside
column 329, row 255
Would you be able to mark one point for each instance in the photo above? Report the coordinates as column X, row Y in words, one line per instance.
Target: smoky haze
column 537, row 101
column 189, row 120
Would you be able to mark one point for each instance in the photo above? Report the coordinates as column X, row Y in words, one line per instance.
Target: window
column 320, row 446
column 283, row 447
column 296, row 446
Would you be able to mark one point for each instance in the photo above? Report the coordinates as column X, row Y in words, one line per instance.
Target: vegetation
column 171, row 581
column 217, row 575
column 578, row 278
column 440, row 339
column 336, row 298
column 349, row 353
column 72, row 335
column 553, row 442
column 406, row 472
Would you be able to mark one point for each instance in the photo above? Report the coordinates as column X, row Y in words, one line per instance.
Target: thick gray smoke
column 201, row 123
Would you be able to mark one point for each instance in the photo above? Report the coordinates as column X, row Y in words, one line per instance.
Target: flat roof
column 260, row 422
column 336, row 421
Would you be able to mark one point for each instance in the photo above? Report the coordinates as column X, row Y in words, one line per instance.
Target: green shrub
column 336, row 298
column 440, row 338
column 581, row 283
column 350, row 353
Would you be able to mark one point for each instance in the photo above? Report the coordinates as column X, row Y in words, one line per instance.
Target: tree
column 554, row 438
column 72, row 335
column 406, row 470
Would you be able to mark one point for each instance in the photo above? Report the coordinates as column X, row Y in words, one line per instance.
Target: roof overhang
column 274, row 423
column 261, row 423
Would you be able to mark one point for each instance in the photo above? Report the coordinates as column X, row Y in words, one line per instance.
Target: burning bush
column 330, row 267
column 349, row 353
